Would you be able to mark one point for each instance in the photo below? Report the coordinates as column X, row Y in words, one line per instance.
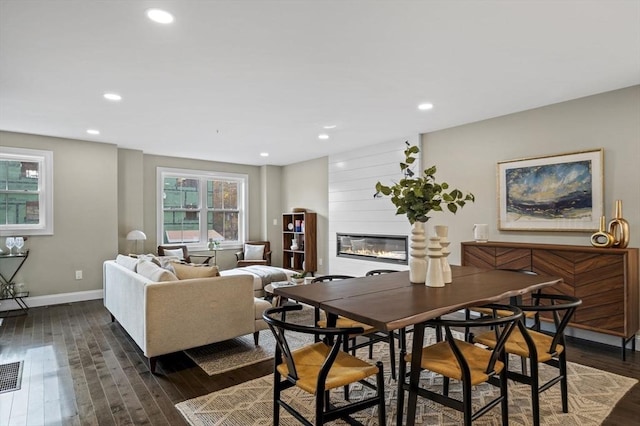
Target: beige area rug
column 592, row 395
column 239, row 352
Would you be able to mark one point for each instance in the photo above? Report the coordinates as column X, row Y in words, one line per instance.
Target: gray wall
column 466, row 158
column 226, row 258
column 85, row 216
column 306, row 185
column 102, row 192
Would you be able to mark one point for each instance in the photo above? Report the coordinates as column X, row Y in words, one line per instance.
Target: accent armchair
column 254, row 253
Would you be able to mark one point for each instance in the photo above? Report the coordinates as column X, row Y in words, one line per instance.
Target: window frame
column 45, row 190
column 203, row 176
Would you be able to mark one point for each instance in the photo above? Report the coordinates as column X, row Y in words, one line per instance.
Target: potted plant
column 416, row 196
column 298, row 278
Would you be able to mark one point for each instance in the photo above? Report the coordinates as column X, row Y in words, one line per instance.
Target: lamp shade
column 136, row 235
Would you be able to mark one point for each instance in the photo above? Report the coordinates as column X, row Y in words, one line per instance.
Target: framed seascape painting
column 551, row 193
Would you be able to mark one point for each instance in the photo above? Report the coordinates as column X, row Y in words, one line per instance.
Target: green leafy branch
column 416, row 197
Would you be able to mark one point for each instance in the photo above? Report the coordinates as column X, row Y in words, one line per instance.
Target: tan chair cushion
column 185, row 272
column 500, row 312
column 518, row 346
column 345, row 370
column 343, row 322
column 440, row 359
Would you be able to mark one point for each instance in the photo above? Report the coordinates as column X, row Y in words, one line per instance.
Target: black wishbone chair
column 460, row 360
column 540, row 347
column 371, row 334
column 318, row 368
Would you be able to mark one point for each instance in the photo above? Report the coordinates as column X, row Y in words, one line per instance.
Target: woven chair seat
column 499, row 312
column 440, row 359
column 344, row 322
column 346, row 369
column 518, row 346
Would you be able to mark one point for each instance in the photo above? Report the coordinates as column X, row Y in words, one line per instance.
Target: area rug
column 592, row 395
column 235, row 353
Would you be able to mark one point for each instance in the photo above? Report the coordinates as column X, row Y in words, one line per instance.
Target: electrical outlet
column 275, row 222
column 320, row 262
column 78, row 275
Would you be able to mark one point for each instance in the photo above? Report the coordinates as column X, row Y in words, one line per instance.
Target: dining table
column 391, row 302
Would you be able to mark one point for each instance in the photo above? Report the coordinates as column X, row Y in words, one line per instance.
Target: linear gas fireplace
column 379, row 248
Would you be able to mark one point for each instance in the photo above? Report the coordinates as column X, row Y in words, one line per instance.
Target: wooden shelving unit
column 301, row 228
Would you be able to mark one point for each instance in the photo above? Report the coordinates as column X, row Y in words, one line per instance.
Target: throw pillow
column 166, row 262
column 185, row 272
column 150, row 257
column 253, row 252
column 174, row 252
column 155, row 273
column 127, row 261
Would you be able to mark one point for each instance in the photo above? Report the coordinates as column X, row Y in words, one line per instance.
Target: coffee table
column 276, row 298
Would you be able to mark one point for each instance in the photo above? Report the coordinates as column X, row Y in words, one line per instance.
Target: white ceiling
column 230, row 79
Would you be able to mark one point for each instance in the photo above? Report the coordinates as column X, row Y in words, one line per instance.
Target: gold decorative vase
column 619, row 228
column 602, row 238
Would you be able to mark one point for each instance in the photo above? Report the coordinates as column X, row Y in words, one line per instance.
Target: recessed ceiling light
column 329, row 126
column 425, row 106
column 264, row 154
column 93, row 131
column 323, row 136
column 160, row 16
column 112, row 96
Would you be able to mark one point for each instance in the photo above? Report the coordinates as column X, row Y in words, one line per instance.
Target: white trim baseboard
column 53, row 299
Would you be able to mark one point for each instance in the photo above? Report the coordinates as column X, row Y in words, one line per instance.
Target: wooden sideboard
column 606, row 279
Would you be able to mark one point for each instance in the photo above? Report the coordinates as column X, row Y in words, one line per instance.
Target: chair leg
column 504, row 394
column 276, row 398
column 562, row 359
column 345, row 348
column 382, row 415
column 320, row 399
column 535, row 393
column 402, row 373
column 256, row 336
column 392, row 356
column 466, row 399
column 445, row 385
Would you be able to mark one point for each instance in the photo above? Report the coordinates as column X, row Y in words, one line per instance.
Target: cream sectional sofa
column 169, row 316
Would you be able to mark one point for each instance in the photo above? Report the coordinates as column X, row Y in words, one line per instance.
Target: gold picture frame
column 562, row 192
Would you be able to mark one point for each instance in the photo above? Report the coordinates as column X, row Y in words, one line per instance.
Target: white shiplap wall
column 352, row 207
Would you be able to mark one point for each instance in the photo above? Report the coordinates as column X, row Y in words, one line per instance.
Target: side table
column 7, row 286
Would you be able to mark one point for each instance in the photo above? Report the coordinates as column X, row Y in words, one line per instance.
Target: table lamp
column 136, row 235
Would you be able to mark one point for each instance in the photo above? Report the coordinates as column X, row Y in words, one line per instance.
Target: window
column 26, row 191
column 195, row 206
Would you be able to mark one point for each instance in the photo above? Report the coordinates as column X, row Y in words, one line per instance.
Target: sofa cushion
column 153, row 272
column 253, row 252
column 185, row 272
column 127, row 261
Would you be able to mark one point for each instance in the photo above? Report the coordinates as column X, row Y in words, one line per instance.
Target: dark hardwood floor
column 82, row 369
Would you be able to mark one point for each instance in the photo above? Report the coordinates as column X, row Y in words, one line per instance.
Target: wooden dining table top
column 390, row 301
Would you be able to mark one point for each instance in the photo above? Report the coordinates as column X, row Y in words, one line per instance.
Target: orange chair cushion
column 518, row 346
column 308, row 360
column 500, row 312
column 343, row 322
column 440, row 359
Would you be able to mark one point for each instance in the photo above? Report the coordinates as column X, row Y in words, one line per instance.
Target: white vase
column 417, row 259
column 442, row 231
column 434, row 264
